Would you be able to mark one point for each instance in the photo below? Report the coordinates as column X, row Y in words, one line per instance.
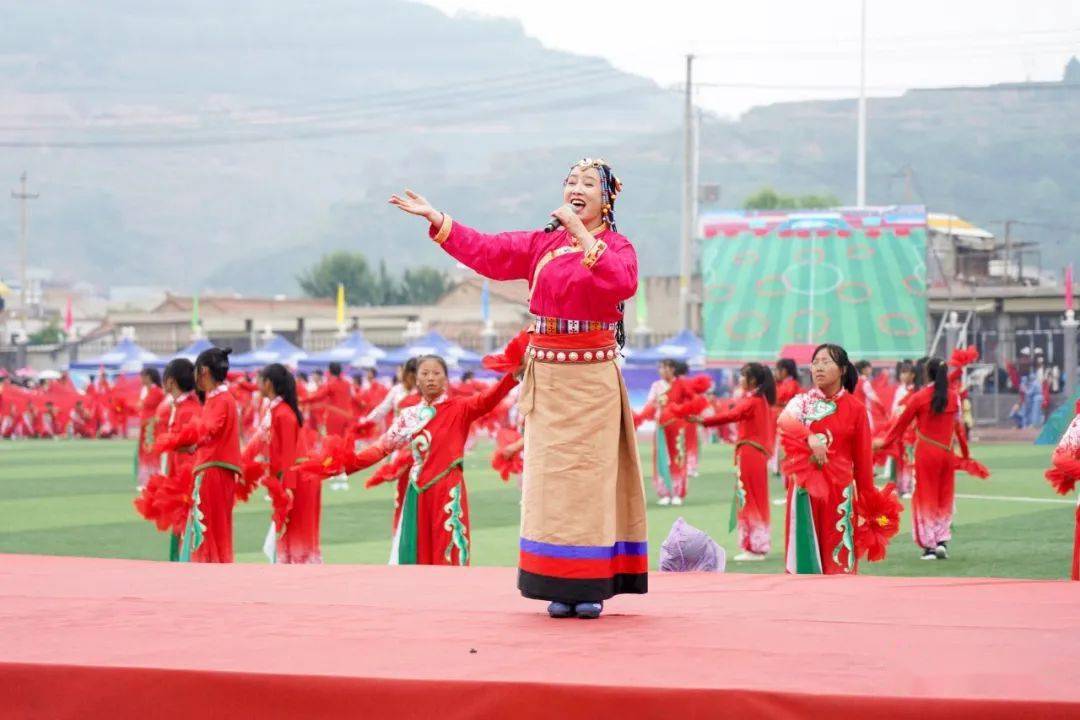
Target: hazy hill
column 227, row 145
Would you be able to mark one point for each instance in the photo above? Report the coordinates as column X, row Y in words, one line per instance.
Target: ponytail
column 284, row 385
column 216, row 360
column 764, row 382
column 937, row 372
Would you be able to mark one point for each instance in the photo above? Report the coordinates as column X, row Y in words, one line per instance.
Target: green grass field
column 74, row 498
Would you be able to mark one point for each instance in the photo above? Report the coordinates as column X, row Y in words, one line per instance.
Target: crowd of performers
column 216, row 436
column 830, row 443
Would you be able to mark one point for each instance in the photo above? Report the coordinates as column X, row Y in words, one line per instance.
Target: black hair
column 411, row 366
column 424, row 358
column 788, row 365
column 301, row 376
column 372, row 372
column 284, row 385
column 182, row 372
column 152, row 374
column 216, row 360
column 763, row 380
column 920, row 372
column 335, row 369
column 862, row 365
column 937, row 372
column 849, row 376
column 904, row 366
column 678, row 367
column 358, row 379
column 467, row 375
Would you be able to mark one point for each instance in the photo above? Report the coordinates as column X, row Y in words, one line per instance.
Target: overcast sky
column 759, row 52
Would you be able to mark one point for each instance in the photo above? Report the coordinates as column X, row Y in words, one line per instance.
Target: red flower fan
column 878, row 522
column 367, row 430
column 174, row 501
column 971, row 466
column 145, row 501
column 700, row 384
column 280, row 501
column 1064, row 473
column 799, row 465
column 509, row 360
column 962, row 357
column 253, row 467
column 335, row 458
column 392, row 471
column 507, row 466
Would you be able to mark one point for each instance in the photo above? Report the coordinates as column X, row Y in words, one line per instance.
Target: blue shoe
column 560, row 610
column 589, row 610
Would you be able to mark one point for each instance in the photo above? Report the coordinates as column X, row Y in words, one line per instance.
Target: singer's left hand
column 573, row 225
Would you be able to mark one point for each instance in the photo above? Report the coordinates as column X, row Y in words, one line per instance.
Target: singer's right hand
column 571, row 223
column 416, row 205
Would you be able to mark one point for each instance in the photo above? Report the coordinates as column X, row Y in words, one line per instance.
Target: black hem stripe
column 545, row 587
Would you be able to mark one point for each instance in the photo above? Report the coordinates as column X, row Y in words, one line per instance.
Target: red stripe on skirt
column 575, row 569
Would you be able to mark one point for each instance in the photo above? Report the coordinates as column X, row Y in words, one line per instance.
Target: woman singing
column 583, row 534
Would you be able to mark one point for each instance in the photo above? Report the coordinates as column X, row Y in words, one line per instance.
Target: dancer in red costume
column 434, row 526
column 404, row 394
column 1064, row 474
column 935, row 411
column 298, row 540
column 334, row 398
column 150, row 398
column 786, row 375
column 835, row 513
column 756, row 428
column 208, row 536
column 671, row 400
column 166, row 498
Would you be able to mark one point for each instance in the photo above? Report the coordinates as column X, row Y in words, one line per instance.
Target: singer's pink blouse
column 564, row 282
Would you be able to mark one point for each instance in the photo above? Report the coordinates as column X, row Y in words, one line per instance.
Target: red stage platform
column 84, row 638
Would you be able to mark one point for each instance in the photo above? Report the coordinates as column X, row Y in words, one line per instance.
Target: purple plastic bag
column 688, row 549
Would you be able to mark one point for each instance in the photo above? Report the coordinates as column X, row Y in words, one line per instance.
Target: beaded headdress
column 610, row 187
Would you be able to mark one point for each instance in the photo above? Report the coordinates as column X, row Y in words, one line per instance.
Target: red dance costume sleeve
column 476, row 406
column 741, row 410
column 863, row 455
column 502, row 256
column 284, row 433
column 912, row 405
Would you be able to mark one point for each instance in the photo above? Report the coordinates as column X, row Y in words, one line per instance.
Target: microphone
column 552, row 226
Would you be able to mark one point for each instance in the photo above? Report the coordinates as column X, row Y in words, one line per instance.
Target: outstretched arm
column 479, row 405
column 503, row 256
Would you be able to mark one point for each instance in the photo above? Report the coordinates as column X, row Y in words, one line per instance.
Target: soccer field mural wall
column 853, row 277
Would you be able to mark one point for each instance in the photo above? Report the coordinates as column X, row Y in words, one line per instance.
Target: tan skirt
column 583, row 527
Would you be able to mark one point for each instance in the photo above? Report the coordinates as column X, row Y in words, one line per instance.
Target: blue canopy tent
column 685, row 346
column 127, row 357
column 354, row 351
column 433, row 343
column 275, row 350
column 190, row 353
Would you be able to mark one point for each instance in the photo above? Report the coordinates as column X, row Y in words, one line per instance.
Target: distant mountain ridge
column 228, row 145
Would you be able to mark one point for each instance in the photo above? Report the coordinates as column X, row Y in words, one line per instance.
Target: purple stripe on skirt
column 584, row 552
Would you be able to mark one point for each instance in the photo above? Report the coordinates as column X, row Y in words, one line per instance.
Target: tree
column 51, row 334
column 769, row 199
column 423, row 285
column 347, row 268
column 389, row 288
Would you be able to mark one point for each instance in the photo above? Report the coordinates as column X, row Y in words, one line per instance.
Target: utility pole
column 1008, row 250
column 860, row 171
column 23, row 196
column 689, row 198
